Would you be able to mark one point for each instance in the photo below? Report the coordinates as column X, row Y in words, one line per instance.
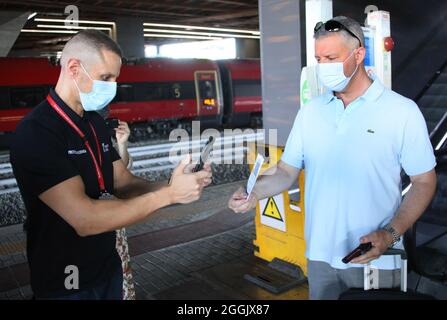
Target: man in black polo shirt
column 67, row 172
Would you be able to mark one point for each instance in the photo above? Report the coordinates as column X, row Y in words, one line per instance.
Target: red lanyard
column 84, row 139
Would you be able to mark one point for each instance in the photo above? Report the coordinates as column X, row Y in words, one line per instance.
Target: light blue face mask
column 332, row 75
column 99, row 97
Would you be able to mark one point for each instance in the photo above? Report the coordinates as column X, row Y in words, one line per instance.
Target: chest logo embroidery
column 77, row 151
column 105, row 147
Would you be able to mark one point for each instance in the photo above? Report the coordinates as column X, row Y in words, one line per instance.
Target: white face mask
column 332, row 75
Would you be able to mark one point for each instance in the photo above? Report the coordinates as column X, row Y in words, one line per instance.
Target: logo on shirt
column 370, row 131
column 105, row 147
column 77, row 151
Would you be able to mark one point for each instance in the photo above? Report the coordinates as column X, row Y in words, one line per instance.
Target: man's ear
column 73, row 67
column 360, row 55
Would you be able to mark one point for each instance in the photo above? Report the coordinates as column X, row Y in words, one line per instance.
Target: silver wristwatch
column 396, row 236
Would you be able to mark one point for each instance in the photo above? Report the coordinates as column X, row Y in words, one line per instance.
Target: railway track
column 164, row 156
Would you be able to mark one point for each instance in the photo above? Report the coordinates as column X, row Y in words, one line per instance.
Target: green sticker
column 305, row 92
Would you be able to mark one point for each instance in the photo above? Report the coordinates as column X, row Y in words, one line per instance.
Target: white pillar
column 316, row 11
column 379, row 21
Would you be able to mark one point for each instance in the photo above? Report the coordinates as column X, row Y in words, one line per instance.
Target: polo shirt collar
column 328, row 97
column 69, row 111
column 374, row 91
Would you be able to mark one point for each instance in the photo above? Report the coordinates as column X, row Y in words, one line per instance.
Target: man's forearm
column 139, row 186
column 413, row 206
column 109, row 215
column 273, row 181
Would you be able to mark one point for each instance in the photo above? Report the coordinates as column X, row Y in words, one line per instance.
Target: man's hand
column 187, row 187
column 380, row 240
column 122, row 133
column 206, row 167
column 239, row 202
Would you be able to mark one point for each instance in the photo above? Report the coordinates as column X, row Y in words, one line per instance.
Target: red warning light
column 388, row 43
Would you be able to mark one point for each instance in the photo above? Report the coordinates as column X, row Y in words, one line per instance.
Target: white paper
column 254, row 174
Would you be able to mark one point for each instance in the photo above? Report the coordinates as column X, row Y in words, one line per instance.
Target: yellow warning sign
column 271, row 210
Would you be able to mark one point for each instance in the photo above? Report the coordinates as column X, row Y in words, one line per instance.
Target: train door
column 208, row 93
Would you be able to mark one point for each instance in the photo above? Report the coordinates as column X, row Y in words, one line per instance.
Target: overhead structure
column 10, row 25
column 165, row 21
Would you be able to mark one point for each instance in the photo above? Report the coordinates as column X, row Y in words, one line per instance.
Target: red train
column 152, row 95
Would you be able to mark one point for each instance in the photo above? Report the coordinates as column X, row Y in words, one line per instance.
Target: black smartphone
column 204, row 155
column 361, row 249
column 112, row 123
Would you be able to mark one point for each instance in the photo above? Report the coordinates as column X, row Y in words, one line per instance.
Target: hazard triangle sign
column 271, row 210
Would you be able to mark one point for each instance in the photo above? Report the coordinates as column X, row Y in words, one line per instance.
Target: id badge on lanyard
column 104, row 195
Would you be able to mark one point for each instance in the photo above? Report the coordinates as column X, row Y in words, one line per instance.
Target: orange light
column 209, row 102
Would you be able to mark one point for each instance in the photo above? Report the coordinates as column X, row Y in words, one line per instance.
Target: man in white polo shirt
column 352, row 143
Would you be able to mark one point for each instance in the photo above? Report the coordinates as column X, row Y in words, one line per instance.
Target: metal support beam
column 11, row 23
column 130, row 36
column 281, row 62
column 240, row 14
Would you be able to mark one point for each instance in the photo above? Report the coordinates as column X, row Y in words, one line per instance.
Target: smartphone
column 112, row 123
column 361, row 249
column 204, row 155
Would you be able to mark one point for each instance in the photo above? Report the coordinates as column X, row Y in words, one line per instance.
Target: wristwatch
column 396, row 236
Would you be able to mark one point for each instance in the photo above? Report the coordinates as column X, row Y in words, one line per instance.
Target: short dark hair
column 93, row 40
column 100, row 40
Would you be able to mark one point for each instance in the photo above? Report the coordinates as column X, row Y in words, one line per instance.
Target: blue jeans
column 112, row 289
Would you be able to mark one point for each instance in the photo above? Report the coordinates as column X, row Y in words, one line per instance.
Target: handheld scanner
column 361, row 249
column 204, row 154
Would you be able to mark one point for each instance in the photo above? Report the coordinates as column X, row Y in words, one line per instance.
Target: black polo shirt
column 45, row 152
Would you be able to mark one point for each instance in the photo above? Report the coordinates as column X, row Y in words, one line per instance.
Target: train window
column 152, row 91
column 207, row 89
column 156, row 91
column 4, row 98
column 124, row 92
column 183, row 90
column 27, row 97
column 176, row 91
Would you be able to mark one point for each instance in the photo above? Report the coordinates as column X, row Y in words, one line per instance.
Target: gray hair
column 87, row 45
column 350, row 24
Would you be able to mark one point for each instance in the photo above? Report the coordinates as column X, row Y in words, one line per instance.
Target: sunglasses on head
column 334, row 26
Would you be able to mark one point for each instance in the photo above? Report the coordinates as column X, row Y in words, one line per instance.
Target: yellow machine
column 280, row 219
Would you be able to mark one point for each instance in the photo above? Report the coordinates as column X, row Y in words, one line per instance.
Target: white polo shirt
column 353, row 159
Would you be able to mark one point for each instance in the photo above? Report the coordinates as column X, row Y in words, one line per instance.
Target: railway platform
column 196, row 251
